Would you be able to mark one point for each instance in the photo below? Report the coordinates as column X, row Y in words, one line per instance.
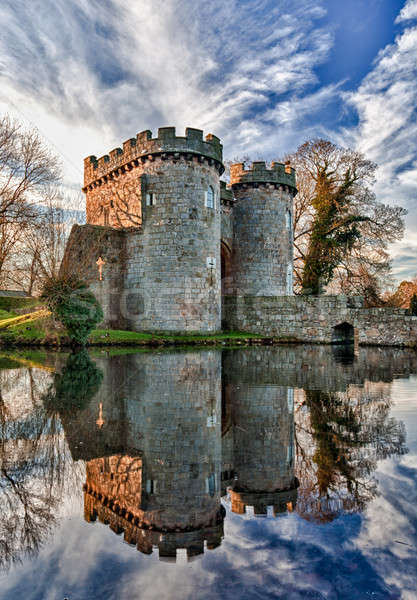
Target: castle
column 177, row 237
column 168, row 246
column 176, row 432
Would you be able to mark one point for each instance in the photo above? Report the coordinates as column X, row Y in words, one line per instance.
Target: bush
column 78, row 383
column 74, row 305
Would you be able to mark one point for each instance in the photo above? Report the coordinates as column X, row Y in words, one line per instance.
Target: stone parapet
column 137, row 531
column 281, row 501
column 279, row 174
column 143, row 146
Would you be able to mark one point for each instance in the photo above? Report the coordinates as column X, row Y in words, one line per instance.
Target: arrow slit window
column 210, row 197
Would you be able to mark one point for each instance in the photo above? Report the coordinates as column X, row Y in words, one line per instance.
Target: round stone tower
column 164, row 192
column 263, row 229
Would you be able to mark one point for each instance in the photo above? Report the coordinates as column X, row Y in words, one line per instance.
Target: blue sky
column 264, row 75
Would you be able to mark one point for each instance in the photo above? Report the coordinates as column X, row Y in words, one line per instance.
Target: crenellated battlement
column 166, row 145
column 259, row 173
column 138, row 530
column 281, row 501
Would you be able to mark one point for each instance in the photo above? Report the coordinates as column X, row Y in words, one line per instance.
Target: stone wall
column 313, row 319
column 167, row 269
column 262, row 256
column 148, row 204
column 85, row 245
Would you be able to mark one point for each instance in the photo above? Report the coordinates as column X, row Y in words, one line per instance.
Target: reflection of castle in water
column 169, row 433
column 157, row 462
column 154, row 473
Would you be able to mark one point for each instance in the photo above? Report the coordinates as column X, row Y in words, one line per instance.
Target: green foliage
column 338, row 179
column 79, row 313
column 57, row 290
column 74, row 305
column 413, row 305
column 76, row 385
column 334, row 230
column 10, row 303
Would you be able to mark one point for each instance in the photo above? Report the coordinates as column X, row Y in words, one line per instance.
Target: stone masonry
column 168, row 225
column 321, row 319
column 184, row 252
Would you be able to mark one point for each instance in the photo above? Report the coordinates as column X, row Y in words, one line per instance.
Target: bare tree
column 38, row 255
column 26, row 168
column 28, row 171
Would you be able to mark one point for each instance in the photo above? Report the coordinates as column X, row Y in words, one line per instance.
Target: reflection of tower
column 164, row 488
column 259, row 443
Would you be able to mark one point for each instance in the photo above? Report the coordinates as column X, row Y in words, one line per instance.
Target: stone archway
column 344, row 333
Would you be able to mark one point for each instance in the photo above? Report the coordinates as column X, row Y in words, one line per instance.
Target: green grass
column 34, row 331
column 8, row 304
column 39, row 331
column 4, row 314
column 113, row 336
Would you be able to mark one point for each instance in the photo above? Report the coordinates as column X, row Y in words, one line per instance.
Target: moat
column 261, row 472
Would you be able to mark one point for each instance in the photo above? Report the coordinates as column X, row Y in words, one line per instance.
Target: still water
column 285, row 472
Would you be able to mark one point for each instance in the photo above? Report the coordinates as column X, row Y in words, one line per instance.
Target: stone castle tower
column 174, row 239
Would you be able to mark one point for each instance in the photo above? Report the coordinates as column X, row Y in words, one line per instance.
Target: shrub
column 78, row 383
column 74, row 305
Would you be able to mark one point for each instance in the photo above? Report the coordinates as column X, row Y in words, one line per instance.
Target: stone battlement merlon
column 143, row 145
column 259, row 173
column 145, row 536
column 281, row 501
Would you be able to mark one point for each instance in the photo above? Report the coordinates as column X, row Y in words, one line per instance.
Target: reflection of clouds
column 285, row 557
column 390, row 519
column 269, row 558
column 36, row 470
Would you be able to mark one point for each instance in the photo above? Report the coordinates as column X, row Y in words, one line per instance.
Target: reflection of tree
column 32, row 462
column 338, row 446
column 78, row 382
column 36, row 471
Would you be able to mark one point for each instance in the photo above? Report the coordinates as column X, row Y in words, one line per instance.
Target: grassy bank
column 39, row 329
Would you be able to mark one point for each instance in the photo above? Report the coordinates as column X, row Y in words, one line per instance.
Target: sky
column 263, row 75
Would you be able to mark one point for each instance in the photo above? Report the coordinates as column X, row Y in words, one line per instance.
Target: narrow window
column 288, row 220
column 210, row 197
column 150, row 199
column 290, row 452
column 106, row 216
column 150, row 486
column 289, row 280
column 211, row 484
column 290, row 399
column 211, row 420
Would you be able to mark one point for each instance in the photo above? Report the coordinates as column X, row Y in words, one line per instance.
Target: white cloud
column 90, row 74
column 408, row 12
column 386, row 103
